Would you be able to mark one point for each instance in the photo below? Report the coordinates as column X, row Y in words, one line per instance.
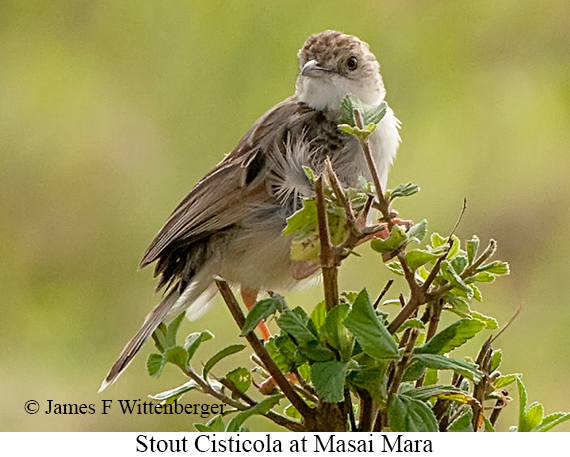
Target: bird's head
column 333, row 65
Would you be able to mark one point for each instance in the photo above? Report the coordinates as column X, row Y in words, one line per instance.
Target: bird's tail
column 151, row 322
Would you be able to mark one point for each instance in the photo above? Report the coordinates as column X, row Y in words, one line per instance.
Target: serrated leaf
column 412, row 323
column 373, row 114
column 452, row 337
column 216, row 424
column 551, row 421
column 395, row 267
column 336, row 334
column 505, row 380
column 176, row 355
column 154, row 364
column 484, row 276
column 437, row 240
column 319, row 315
column 241, row 378
column 307, row 342
column 194, row 340
column 453, row 278
column 463, row 423
column 490, row 322
column 533, row 416
column 496, row 268
column 418, row 231
column 523, row 397
column 472, row 247
column 424, row 393
column 261, row 311
column 416, row 258
column 172, row 330
column 459, row 263
column 395, row 240
column 261, row 408
column 441, row 362
column 283, row 358
column 403, row 190
column 227, row 351
column 369, row 331
column 372, row 379
column 349, row 104
column 407, row 414
column 176, row 392
column 328, row 379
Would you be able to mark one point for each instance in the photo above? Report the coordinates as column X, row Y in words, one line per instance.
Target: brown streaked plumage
column 231, row 222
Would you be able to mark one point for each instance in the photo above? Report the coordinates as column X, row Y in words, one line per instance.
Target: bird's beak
column 312, row 68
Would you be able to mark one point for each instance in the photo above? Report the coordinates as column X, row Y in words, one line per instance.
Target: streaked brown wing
column 220, row 199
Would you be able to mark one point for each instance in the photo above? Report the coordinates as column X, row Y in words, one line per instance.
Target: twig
column 384, row 292
column 259, row 348
column 329, row 265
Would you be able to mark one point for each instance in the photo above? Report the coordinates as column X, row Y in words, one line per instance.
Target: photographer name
column 135, row 407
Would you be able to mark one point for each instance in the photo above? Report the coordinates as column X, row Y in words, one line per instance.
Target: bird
column 231, row 223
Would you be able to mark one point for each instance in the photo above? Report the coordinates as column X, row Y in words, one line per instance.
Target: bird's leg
column 249, row 297
column 384, row 232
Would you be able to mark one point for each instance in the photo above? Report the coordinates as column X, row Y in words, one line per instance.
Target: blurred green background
column 111, row 111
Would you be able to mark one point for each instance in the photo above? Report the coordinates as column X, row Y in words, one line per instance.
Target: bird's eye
column 352, row 63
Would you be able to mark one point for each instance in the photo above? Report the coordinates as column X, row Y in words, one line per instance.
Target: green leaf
column 261, row 408
column 495, row 268
column 328, row 380
column 336, row 334
column 283, row 353
column 496, row 359
column 369, row 331
column 484, row 277
column 159, row 337
column 418, row 231
column 291, row 411
column 216, row 424
column 523, row 397
column 437, row 240
column 441, row 362
column 176, row 355
column 453, row 278
column 261, row 311
column 505, row 380
column 411, row 323
column 472, row 247
column 319, row 315
column 551, row 421
column 490, row 322
column 294, row 326
column 349, row 104
column 194, row 340
column 534, row 415
column 452, row 337
column 407, row 414
column 395, row 267
column 372, row 379
column 154, row 364
column 459, row 263
column 395, row 240
column 416, row 258
column 402, row 190
column 307, row 342
column 424, row 393
column 232, row 349
column 176, row 392
column 431, row 377
column 172, row 330
column 463, row 423
column 241, row 378
column 309, row 173
column 373, row 114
